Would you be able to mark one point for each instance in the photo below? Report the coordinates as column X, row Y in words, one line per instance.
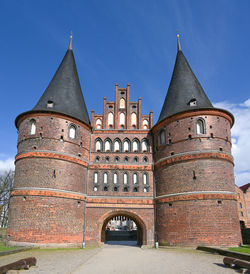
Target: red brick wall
column 50, row 180
column 198, row 222
column 201, row 166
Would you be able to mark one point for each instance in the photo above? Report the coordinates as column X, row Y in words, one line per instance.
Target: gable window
column 200, row 126
column 110, row 119
column 192, row 102
column 126, row 146
column 122, row 103
column 133, row 119
column 98, row 123
column 145, row 124
column 122, row 119
column 32, row 127
column 107, row 146
column 144, row 146
column 98, row 145
column 72, row 131
column 135, row 146
column 117, row 146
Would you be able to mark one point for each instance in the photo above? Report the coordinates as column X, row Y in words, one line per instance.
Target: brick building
column 243, row 193
column 75, row 177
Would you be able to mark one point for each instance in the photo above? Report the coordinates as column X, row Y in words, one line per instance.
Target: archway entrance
column 122, row 228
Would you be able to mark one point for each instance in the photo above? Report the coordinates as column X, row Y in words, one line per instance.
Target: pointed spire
column 184, row 92
column 70, row 41
column 64, row 94
column 178, row 42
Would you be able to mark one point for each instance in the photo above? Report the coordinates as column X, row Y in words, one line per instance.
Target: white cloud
column 6, row 165
column 240, row 139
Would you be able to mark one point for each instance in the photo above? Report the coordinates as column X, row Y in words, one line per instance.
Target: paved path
column 122, row 259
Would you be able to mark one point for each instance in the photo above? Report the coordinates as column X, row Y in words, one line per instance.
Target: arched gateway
column 139, row 233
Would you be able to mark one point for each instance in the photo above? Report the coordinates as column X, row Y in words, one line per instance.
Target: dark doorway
column 122, row 230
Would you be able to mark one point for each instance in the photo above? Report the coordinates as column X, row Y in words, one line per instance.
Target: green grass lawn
column 242, row 249
column 6, row 248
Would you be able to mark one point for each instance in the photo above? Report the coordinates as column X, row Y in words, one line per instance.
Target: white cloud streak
column 6, row 165
column 240, row 139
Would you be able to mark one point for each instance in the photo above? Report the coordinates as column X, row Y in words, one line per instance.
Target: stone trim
column 48, row 193
column 52, row 155
column 197, row 195
column 122, row 206
column 194, row 155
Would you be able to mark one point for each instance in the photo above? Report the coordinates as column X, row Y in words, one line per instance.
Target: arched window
column 32, row 127
column 95, row 177
column 117, row 146
column 72, row 131
column 144, row 146
column 145, row 124
column 145, row 179
column 110, row 119
column 122, row 103
column 107, row 145
column 98, row 145
column 133, row 119
column 98, row 123
column 135, row 178
column 105, row 178
column 162, row 137
column 126, row 146
column 115, row 178
column 122, row 119
column 200, row 126
column 135, row 146
column 125, row 178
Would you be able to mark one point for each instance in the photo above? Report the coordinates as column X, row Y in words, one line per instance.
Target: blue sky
column 132, row 41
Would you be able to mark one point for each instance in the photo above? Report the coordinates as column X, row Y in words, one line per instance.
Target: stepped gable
column 184, row 92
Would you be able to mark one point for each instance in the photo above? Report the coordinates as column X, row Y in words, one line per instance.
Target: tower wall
column 195, row 197
column 47, row 204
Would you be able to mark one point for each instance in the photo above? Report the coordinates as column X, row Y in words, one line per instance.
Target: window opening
column 32, row 127
column 122, row 103
column 105, row 178
column 72, row 132
column 200, row 127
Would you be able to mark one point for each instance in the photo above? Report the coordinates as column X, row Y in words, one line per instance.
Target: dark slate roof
column 244, row 188
column 184, row 87
column 65, row 92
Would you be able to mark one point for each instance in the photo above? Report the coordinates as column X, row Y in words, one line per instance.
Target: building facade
column 75, row 176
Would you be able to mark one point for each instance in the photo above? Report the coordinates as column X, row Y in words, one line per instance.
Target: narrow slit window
column 125, row 178
column 72, row 132
column 105, row 178
column 115, row 178
column 145, row 179
column 135, row 178
column 98, row 146
column 200, row 127
column 122, row 119
column 126, row 146
column 32, row 127
column 162, row 137
column 95, row 177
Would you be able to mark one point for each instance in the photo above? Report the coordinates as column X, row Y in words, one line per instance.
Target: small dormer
column 192, row 102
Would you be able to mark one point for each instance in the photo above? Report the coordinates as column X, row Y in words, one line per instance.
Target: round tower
column 48, row 200
column 196, row 201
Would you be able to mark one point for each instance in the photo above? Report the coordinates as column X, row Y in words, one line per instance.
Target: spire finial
column 70, row 41
column 178, row 42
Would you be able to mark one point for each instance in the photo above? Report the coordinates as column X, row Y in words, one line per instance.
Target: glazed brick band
column 52, row 155
column 193, row 156
column 47, row 193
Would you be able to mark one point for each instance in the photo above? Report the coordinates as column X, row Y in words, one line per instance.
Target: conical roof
column 184, row 92
column 64, row 94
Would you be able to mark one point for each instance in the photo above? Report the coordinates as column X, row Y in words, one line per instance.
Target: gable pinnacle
column 178, row 43
column 70, row 42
